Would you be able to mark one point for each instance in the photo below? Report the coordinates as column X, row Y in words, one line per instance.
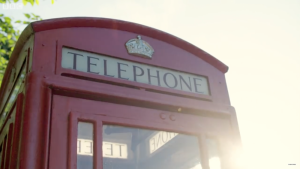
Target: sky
column 258, row 39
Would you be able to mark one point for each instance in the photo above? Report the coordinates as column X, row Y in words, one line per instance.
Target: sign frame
column 131, row 84
column 122, row 69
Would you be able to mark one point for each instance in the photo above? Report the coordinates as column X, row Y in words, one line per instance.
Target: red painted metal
column 170, row 58
column 3, row 152
column 107, row 113
column 35, row 125
column 74, row 118
column 8, row 147
column 17, row 132
column 105, row 90
column 75, row 23
column 72, row 146
column 56, row 98
column 129, row 27
column 7, row 119
column 46, row 135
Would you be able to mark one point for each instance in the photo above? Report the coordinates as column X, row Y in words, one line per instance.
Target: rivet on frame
column 163, row 116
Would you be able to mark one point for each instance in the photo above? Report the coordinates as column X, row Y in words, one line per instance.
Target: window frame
column 98, row 121
column 73, row 133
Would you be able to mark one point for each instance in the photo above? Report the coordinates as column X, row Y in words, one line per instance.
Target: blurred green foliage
column 9, row 33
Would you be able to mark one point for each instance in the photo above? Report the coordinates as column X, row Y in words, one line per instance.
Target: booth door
column 88, row 134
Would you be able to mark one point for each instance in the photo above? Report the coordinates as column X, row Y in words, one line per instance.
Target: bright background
column 258, row 39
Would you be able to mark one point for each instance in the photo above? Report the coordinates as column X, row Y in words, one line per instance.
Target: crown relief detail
column 139, row 47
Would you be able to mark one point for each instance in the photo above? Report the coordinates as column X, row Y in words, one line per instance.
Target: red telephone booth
column 93, row 93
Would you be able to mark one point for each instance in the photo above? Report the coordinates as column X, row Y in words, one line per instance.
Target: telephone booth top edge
column 88, row 22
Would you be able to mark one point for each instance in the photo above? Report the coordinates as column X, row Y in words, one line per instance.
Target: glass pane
column 15, row 91
column 213, row 153
column 85, row 146
column 135, row 148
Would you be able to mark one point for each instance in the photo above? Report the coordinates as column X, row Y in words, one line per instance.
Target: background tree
column 9, row 33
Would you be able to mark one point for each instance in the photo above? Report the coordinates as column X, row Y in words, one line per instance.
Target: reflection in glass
column 135, row 148
column 213, row 153
column 114, row 150
column 13, row 96
column 160, row 139
column 85, row 146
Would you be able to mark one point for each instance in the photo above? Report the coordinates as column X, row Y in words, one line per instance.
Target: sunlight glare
column 214, row 163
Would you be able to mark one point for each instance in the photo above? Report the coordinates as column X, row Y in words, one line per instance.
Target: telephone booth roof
column 117, row 25
column 112, row 24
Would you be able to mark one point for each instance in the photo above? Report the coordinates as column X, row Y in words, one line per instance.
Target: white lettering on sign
column 110, row 150
column 160, row 139
column 114, row 150
column 126, row 70
column 85, row 147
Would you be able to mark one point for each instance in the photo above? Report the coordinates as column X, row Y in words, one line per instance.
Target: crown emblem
column 139, row 47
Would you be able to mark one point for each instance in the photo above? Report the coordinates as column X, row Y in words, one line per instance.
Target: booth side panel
column 16, row 70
